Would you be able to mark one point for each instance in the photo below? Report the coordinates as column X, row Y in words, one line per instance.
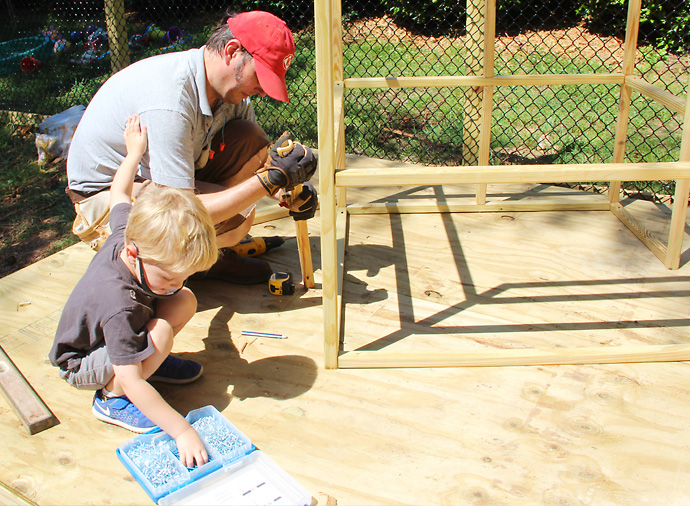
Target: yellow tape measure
column 280, row 283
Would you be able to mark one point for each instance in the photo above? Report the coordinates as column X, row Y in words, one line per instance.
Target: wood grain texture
column 605, row 435
column 26, row 403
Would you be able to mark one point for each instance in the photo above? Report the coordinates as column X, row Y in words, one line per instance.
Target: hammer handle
column 302, row 235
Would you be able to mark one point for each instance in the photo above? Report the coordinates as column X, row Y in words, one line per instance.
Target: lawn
column 36, row 216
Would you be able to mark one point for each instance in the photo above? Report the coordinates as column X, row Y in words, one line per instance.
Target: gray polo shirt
column 169, row 93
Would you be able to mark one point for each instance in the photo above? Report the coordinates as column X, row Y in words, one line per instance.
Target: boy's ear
column 131, row 253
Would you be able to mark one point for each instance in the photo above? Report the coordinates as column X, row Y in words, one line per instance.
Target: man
column 203, row 135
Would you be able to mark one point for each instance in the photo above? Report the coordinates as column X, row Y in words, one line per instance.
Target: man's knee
column 233, row 147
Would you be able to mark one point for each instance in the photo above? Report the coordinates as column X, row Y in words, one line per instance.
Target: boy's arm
column 149, row 402
column 123, row 182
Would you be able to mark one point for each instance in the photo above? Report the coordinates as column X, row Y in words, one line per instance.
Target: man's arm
column 295, row 165
column 123, row 181
column 223, row 203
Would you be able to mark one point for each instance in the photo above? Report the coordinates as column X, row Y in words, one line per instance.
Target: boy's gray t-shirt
column 169, row 93
column 106, row 308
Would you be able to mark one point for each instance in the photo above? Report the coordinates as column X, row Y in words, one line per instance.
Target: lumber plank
column 269, row 212
column 10, row 497
column 645, row 236
column 517, row 357
column 665, row 98
column 328, row 43
column 412, row 176
column 474, row 81
column 490, row 207
column 25, row 402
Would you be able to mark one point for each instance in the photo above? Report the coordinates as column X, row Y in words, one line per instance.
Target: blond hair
column 172, row 229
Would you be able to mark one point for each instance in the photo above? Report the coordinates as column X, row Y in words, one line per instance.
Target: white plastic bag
column 59, row 127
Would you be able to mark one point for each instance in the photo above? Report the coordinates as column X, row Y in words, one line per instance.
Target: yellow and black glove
column 289, row 164
column 302, row 201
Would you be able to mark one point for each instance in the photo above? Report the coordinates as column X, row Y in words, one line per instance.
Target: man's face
column 240, row 80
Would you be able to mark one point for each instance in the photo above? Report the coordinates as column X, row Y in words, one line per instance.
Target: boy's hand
column 135, row 137
column 191, row 448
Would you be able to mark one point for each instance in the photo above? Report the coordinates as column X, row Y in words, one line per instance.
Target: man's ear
column 230, row 49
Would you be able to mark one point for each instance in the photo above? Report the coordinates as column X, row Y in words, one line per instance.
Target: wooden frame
column 335, row 177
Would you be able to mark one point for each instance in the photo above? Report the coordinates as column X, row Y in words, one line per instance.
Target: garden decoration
column 25, row 54
column 29, row 64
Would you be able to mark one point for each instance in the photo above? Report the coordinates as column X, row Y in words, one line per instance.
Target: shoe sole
column 163, row 379
column 120, row 423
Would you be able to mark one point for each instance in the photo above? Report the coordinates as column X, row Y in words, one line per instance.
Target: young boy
column 117, row 328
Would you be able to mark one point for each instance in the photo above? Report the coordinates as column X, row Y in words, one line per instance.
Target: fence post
column 630, row 52
column 473, row 95
column 117, row 34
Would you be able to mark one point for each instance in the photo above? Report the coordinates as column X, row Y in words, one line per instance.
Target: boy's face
column 162, row 281
column 156, row 279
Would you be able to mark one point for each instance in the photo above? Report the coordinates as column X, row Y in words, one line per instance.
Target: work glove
column 302, row 201
column 289, row 164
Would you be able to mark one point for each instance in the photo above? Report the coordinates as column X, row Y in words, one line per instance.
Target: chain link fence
column 56, row 54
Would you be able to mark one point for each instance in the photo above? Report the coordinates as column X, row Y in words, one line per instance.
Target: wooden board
column 23, row 399
column 599, row 435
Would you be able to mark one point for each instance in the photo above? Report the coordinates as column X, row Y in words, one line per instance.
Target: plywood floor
column 557, row 435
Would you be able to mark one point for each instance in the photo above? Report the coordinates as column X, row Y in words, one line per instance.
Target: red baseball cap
column 268, row 39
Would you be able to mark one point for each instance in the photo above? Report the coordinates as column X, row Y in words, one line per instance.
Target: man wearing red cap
column 202, row 135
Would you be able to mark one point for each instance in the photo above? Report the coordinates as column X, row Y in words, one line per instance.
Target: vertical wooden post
column 325, row 47
column 339, row 99
column 117, row 34
column 475, row 27
column 680, row 199
column 630, row 50
column 487, row 93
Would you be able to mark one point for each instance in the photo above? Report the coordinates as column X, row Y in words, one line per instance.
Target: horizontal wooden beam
column 489, row 207
column 270, row 213
column 517, row 357
column 673, row 102
column 562, row 173
column 474, row 81
column 645, row 236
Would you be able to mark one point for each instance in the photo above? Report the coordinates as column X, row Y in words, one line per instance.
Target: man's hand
column 289, row 164
column 302, row 201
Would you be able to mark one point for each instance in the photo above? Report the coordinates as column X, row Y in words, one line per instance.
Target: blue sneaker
column 177, row 370
column 120, row 411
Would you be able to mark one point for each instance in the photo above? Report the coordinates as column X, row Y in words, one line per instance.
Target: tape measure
column 280, row 283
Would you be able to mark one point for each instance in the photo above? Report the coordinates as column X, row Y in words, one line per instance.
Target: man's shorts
column 233, row 146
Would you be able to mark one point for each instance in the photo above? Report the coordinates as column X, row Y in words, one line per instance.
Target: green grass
column 37, row 215
column 576, row 124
